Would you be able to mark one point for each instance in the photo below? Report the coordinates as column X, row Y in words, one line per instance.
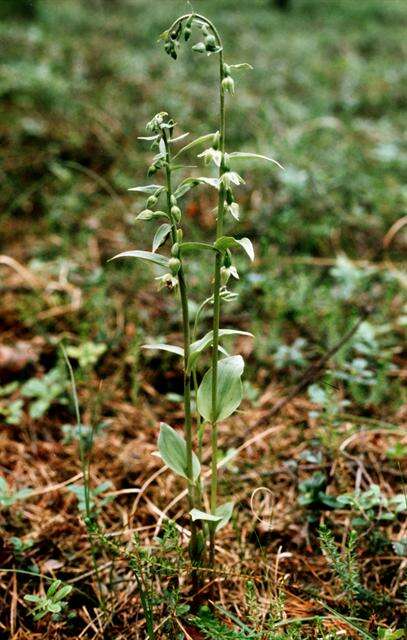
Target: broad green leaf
column 244, row 155
column 148, row 188
column 229, row 390
column 160, row 235
column 200, row 345
column 172, row 348
column 195, row 143
column 225, row 511
column 226, row 242
column 196, row 246
column 197, row 514
column 144, row 255
column 173, row 450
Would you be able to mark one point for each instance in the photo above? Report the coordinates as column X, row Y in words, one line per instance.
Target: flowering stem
column 187, row 341
column 216, row 317
column 217, row 274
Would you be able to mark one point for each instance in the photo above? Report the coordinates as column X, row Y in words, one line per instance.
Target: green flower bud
column 175, row 250
column 146, row 214
column 152, row 170
column 152, row 201
column 226, row 69
column 199, row 47
column 210, row 43
column 187, row 34
column 216, row 140
column 174, row 265
column 173, row 200
column 228, row 85
column 176, row 213
column 180, row 235
column 224, row 276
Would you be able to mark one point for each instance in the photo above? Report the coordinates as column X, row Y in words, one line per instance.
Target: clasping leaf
column 198, row 346
column 229, row 390
column 226, row 242
column 173, row 451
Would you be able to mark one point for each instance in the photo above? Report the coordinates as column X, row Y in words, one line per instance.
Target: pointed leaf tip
column 162, row 261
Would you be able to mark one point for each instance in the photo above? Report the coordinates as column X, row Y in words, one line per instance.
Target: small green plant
column 344, row 564
column 20, row 547
column 87, row 354
column 89, row 498
column 11, row 410
column 8, row 497
column 43, row 392
column 313, row 495
column 218, row 391
column 390, row 634
column 82, row 433
column 372, row 506
column 52, row 602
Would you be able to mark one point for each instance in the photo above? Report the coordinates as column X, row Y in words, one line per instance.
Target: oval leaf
column 160, row 235
column 229, row 390
column 162, row 261
column 173, row 451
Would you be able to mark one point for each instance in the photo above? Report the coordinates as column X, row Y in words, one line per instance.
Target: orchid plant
column 218, row 391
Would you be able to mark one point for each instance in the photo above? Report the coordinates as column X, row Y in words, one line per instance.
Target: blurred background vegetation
column 327, row 96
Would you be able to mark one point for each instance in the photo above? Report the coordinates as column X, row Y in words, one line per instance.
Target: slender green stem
column 85, row 465
column 216, row 319
column 187, row 342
